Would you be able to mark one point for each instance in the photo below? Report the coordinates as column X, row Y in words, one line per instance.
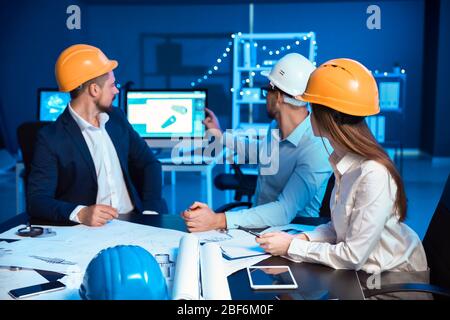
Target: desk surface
column 315, row 281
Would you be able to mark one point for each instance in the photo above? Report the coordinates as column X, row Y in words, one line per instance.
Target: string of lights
column 264, row 48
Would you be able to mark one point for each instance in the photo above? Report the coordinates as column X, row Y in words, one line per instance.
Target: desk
column 206, row 169
column 196, row 163
column 314, row 280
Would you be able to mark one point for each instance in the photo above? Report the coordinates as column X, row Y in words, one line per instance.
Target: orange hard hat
column 80, row 63
column 344, row 85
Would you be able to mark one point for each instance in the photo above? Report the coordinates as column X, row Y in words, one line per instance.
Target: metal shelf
column 245, row 60
column 253, row 68
column 251, row 102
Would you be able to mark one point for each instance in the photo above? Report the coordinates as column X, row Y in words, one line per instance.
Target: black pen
column 256, row 234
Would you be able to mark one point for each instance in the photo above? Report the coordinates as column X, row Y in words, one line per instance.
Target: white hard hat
column 291, row 73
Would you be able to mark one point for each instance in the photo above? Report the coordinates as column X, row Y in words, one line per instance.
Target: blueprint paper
column 186, row 284
column 214, row 278
column 80, row 244
column 74, row 247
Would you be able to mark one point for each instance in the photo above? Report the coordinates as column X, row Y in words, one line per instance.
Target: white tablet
column 271, row 277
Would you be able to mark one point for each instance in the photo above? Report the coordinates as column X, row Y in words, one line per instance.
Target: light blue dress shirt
column 297, row 188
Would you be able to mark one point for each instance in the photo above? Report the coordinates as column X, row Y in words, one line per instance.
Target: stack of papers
column 234, row 243
column 72, row 248
column 237, row 244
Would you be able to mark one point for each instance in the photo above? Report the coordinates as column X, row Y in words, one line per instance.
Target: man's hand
column 275, row 243
column 199, row 217
column 97, row 215
column 212, row 123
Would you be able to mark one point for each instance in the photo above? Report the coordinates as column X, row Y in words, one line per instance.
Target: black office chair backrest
column 242, row 184
column 26, row 136
column 325, row 208
column 437, row 241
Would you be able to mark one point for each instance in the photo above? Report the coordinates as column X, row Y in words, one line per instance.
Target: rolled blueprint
column 214, row 279
column 186, row 283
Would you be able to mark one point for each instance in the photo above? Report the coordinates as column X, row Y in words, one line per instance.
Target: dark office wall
column 429, row 80
column 170, row 46
column 340, row 27
column 342, row 32
column 36, row 33
column 32, row 35
column 442, row 112
column 3, row 133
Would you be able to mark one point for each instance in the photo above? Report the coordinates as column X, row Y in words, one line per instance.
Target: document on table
column 72, row 248
column 73, row 251
column 232, row 266
column 234, row 243
column 212, row 236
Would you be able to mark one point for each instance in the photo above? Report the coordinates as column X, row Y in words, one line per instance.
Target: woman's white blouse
column 364, row 231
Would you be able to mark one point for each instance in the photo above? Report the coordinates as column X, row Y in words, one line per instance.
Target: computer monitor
column 389, row 95
column 51, row 103
column 391, row 89
column 163, row 114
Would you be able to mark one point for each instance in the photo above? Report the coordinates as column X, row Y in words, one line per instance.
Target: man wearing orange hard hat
column 84, row 162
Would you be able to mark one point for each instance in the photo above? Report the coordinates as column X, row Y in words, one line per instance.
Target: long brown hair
column 353, row 134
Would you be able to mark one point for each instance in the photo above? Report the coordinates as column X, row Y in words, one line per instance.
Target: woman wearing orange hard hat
column 368, row 203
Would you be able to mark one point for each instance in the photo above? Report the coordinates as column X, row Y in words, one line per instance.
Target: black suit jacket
column 63, row 174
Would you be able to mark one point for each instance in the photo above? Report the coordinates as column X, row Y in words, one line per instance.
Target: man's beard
column 103, row 108
column 270, row 113
column 271, row 109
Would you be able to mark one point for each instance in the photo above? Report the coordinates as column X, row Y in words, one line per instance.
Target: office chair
column 437, row 249
column 324, row 212
column 242, row 184
column 26, row 136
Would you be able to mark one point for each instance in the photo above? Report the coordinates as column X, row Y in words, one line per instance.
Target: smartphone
column 26, row 292
column 271, row 277
column 256, row 234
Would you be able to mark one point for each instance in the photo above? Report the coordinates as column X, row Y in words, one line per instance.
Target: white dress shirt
column 364, row 231
column 112, row 189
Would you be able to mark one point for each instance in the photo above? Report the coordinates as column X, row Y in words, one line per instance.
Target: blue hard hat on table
column 123, row 273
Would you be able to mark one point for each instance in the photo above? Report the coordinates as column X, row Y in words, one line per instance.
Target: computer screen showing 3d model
column 53, row 102
column 167, row 114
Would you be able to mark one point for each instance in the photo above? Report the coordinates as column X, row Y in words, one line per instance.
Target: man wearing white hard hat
column 298, row 187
